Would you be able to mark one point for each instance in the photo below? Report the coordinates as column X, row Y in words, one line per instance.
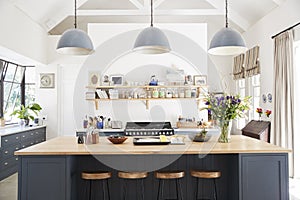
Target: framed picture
column 47, row 80
column 200, row 80
column 94, row 78
column 116, row 79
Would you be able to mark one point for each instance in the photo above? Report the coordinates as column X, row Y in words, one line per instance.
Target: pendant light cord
column 226, row 14
column 75, row 18
column 151, row 13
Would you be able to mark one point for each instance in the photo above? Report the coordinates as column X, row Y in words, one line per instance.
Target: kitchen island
column 251, row 169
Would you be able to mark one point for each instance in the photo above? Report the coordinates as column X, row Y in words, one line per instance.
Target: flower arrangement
column 225, row 108
column 259, row 111
column 268, row 113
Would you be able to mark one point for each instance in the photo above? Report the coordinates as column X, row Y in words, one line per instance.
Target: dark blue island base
column 253, row 176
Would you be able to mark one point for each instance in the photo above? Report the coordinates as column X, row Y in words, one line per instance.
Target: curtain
column 238, row 67
column 283, row 126
column 252, row 65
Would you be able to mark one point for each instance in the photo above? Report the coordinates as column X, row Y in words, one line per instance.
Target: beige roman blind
column 252, row 65
column 238, row 67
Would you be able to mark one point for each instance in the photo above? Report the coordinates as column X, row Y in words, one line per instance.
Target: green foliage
column 26, row 112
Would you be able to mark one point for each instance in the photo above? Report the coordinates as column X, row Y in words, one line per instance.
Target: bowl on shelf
column 117, row 139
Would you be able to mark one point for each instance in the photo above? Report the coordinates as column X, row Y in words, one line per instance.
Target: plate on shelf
column 149, row 141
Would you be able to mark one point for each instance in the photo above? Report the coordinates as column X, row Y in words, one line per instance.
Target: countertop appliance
column 148, row 128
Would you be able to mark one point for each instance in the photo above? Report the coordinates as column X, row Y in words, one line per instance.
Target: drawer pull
column 6, row 140
column 23, row 136
column 17, row 148
column 23, row 146
column 31, row 143
column 6, row 163
column 6, row 152
column 17, row 158
column 17, row 137
column 31, row 134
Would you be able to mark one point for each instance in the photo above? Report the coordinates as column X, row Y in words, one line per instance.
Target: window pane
column 10, row 72
column 242, row 83
column 30, row 94
column 256, row 80
column 12, row 100
column 256, row 92
column 242, row 92
column 19, row 74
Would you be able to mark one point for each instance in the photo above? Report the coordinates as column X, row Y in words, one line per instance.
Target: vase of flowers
column 224, row 108
column 268, row 113
column 260, row 112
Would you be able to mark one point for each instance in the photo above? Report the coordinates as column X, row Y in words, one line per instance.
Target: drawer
column 27, row 135
column 40, row 133
column 9, row 151
column 8, row 163
column 10, row 139
column 39, row 140
column 27, row 143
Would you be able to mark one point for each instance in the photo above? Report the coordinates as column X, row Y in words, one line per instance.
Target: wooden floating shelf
column 96, row 101
column 144, row 86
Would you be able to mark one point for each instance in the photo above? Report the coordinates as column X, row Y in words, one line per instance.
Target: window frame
column 22, row 84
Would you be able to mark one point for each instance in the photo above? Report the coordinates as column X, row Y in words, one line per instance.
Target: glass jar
column 162, row 93
column 194, row 93
column 188, row 93
column 181, row 93
column 155, row 93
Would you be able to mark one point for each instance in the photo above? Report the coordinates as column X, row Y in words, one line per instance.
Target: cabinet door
column 264, row 176
column 42, row 178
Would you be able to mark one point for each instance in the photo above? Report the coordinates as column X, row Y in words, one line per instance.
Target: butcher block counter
column 250, row 168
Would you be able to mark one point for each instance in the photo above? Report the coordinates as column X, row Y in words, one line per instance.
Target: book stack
column 102, row 94
column 90, row 95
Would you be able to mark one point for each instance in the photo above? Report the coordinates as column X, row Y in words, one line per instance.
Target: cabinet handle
column 23, row 146
column 6, row 163
column 23, row 136
column 17, row 148
column 31, row 143
column 31, row 134
column 6, row 152
column 17, row 158
column 6, row 140
column 17, row 137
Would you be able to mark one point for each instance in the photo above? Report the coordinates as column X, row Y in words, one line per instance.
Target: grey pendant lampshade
column 151, row 40
column 75, row 41
column 227, row 41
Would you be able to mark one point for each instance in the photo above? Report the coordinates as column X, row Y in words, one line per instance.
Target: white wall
column 21, row 35
column 260, row 34
column 112, row 43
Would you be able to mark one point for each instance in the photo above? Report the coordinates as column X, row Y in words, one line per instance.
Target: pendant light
column 227, row 41
column 75, row 41
column 152, row 40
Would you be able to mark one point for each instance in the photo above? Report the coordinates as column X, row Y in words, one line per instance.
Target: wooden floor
column 8, row 188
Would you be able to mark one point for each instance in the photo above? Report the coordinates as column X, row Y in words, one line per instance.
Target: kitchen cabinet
column 14, row 142
column 193, row 92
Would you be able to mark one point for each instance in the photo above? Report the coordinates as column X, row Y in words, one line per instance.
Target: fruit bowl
column 117, row 139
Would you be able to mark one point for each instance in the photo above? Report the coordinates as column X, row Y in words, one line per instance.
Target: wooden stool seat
column 169, row 174
column 209, row 175
column 205, row 174
column 95, row 175
column 163, row 176
column 91, row 177
column 132, row 175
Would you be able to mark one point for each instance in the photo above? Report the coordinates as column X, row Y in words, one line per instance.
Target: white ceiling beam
column 60, row 15
column 279, row 2
column 180, row 12
column 137, row 4
column 157, row 3
column 232, row 14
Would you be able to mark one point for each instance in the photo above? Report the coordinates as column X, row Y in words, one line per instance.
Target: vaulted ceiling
column 55, row 16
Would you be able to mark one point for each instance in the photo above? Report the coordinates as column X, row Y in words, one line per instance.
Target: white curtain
column 283, row 83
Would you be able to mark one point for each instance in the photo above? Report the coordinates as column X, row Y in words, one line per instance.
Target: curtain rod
column 285, row 30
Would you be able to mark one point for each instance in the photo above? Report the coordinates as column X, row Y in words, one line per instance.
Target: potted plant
column 25, row 113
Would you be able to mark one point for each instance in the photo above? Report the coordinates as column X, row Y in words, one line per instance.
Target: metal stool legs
column 124, row 193
column 215, row 194
column 160, row 193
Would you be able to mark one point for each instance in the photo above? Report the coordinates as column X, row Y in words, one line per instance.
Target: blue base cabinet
column 14, row 142
column 244, row 176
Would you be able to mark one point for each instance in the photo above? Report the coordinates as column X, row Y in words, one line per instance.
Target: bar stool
column 132, row 176
column 97, row 176
column 212, row 175
column 169, row 175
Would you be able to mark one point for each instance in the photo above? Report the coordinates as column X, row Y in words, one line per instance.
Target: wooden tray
column 149, row 141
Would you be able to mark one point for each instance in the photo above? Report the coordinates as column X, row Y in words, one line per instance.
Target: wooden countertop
column 67, row 145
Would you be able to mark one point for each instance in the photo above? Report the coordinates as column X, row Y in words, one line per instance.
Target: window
column 17, row 86
column 296, row 108
column 249, row 87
